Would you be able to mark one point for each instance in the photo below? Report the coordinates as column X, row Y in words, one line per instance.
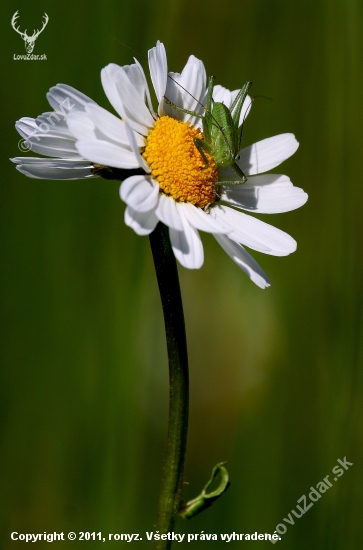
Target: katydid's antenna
column 129, row 48
column 187, row 91
column 263, row 96
column 248, row 111
column 243, row 122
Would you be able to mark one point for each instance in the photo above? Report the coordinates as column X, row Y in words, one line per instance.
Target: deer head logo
column 29, row 41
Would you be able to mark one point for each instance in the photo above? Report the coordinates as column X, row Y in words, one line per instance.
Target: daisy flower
column 165, row 178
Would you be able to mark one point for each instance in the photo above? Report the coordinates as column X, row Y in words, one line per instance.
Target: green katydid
column 222, row 132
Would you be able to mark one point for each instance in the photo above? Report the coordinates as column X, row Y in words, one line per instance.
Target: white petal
column 126, row 89
column 236, row 229
column 59, row 162
column 107, row 154
column 60, row 169
column 158, row 69
column 167, row 212
column 270, row 180
column 173, row 93
column 246, row 108
column 193, row 78
column 52, row 145
column 46, row 173
column 223, row 95
column 244, row 260
column 187, row 245
column 253, row 232
column 109, row 78
column 262, row 180
column 64, row 99
column 136, row 77
column 26, row 126
column 132, row 141
column 45, row 123
column 108, row 124
column 143, row 223
column 80, row 125
column 147, row 91
column 140, row 192
column 266, row 154
column 199, row 219
column 265, row 199
column 187, row 90
column 135, row 109
column 48, row 135
column 53, row 121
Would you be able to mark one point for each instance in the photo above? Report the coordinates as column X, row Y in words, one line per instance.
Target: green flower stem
column 171, row 494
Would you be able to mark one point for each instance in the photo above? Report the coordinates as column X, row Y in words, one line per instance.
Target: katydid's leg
column 216, row 190
column 239, row 173
column 216, row 185
column 202, row 147
column 207, row 119
column 180, row 109
column 232, row 182
column 240, row 128
column 210, row 93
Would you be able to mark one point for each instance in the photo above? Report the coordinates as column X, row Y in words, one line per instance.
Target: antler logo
column 29, row 41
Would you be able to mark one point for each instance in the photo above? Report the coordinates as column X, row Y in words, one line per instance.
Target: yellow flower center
column 177, row 165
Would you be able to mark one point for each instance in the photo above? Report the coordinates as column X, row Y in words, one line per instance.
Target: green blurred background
column 276, row 375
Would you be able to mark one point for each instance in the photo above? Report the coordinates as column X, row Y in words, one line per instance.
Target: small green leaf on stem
column 206, row 499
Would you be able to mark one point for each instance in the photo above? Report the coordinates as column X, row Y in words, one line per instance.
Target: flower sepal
column 118, row 174
column 207, row 497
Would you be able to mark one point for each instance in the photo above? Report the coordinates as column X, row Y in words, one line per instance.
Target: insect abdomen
column 222, row 136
